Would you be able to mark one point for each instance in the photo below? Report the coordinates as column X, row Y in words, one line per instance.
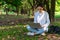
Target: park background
column 16, row 14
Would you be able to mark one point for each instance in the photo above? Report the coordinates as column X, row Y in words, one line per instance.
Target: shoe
column 30, row 33
column 43, row 34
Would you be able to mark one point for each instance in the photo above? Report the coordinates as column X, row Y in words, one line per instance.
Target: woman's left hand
column 44, row 25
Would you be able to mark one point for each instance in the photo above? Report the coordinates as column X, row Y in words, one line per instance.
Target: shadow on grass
column 54, row 29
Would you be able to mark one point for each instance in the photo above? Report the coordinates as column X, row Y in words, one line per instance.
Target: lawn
column 16, row 32
column 57, row 14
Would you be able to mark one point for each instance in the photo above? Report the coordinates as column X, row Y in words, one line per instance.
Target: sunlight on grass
column 56, row 23
column 57, row 14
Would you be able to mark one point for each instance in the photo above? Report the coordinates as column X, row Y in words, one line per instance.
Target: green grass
column 56, row 23
column 17, row 32
column 57, row 14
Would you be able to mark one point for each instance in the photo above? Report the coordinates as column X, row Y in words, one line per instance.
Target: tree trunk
column 28, row 12
column 52, row 10
column 6, row 10
column 32, row 11
column 17, row 8
column 47, row 7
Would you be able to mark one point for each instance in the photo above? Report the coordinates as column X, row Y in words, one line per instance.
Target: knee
column 28, row 27
column 46, row 29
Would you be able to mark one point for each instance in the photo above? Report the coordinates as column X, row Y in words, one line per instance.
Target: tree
column 16, row 3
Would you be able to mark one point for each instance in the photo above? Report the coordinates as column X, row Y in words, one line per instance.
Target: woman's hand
column 44, row 25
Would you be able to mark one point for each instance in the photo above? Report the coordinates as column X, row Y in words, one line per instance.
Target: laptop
column 35, row 25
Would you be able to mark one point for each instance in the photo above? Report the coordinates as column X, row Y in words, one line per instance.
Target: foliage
column 57, row 5
column 13, row 2
column 30, row 2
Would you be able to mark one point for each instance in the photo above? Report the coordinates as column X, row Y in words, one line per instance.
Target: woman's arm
column 47, row 20
column 35, row 18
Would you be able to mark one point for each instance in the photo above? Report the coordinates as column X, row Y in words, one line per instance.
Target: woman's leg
column 40, row 31
column 31, row 29
column 46, row 29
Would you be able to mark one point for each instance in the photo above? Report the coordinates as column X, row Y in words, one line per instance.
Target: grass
column 17, row 32
column 57, row 14
column 56, row 23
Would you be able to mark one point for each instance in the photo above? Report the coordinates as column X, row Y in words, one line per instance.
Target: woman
column 41, row 17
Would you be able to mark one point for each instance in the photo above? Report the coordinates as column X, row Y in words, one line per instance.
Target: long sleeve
column 35, row 19
column 47, row 19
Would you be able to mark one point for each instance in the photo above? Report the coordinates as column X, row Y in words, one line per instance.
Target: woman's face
column 40, row 9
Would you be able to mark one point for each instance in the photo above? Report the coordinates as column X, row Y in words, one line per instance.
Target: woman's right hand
column 43, row 26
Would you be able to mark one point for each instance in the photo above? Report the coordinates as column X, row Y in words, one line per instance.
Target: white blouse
column 42, row 18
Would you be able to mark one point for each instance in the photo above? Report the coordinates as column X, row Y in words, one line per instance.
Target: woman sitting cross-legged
column 42, row 17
